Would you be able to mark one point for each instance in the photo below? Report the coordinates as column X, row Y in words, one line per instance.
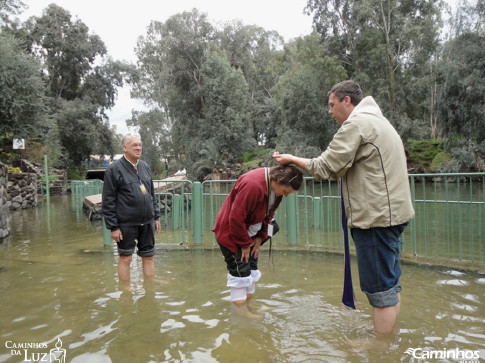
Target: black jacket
column 124, row 203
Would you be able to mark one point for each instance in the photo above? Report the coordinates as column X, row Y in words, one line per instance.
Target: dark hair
column 347, row 88
column 287, row 175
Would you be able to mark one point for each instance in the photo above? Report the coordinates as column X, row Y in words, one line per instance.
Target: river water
column 59, row 292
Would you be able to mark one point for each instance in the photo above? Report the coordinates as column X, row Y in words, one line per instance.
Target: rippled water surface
column 58, row 284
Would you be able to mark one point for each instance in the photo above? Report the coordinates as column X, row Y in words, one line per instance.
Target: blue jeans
column 378, row 261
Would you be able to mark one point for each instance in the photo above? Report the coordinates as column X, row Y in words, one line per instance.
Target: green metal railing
column 174, row 198
column 81, row 189
column 449, row 222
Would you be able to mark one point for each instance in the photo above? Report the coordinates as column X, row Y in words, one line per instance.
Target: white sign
column 18, row 144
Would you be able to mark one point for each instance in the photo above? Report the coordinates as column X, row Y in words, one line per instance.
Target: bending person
column 241, row 225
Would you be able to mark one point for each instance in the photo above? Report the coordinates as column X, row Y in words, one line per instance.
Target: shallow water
column 57, row 281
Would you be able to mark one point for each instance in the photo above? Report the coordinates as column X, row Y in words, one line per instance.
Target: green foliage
column 376, row 41
column 300, row 97
column 155, row 136
column 256, row 158
column 6, row 157
column 423, row 152
column 256, row 154
column 52, row 177
column 251, row 164
column 13, row 170
column 80, row 85
column 467, row 156
column 67, row 49
column 224, row 118
column 219, row 91
column 254, row 50
column 461, row 102
column 210, row 160
column 438, row 161
column 8, row 8
column 74, row 174
column 21, row 91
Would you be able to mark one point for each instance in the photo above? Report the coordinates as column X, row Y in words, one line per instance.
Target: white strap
column 266, row 173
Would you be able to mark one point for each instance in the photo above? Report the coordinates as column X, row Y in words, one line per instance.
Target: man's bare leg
column 124, row 265
column 148, row 266
column 385, row 318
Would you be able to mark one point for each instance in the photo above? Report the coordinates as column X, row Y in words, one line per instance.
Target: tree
column 81, row 134
column 170, row 58
column 461, row 102
column 66, row 48
column 22, row 108
column 225, row 116
column 8, row 8
column 210, row 161
column 80, row 82
column 300, row 97
column 371, row 36
column 156, row 137
column 254, row 50
column 191, row 81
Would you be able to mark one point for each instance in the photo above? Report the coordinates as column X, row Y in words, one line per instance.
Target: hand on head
column 282, row 159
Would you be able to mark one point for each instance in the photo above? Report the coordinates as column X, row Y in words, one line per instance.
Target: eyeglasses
column 292, row 179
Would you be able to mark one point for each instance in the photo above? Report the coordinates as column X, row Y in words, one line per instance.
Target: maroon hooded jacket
column 246, row 204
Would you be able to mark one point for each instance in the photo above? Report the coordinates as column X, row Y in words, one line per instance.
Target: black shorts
column 142, row 237
column 235, row 266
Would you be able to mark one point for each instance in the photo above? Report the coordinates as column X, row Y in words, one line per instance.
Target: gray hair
column 129, row 136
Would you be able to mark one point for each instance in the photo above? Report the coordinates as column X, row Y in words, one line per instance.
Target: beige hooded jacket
column 368, row 152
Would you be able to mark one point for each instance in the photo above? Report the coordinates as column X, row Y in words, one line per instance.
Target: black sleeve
column 108, row 204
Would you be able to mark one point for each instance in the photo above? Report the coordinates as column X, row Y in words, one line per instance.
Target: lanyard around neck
column 266, row 174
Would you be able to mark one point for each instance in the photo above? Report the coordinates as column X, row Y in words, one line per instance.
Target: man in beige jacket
column 368, row 154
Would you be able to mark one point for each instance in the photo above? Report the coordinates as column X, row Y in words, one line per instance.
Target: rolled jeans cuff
column 385, row 298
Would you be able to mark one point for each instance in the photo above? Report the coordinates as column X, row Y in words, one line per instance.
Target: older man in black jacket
column 130, row 208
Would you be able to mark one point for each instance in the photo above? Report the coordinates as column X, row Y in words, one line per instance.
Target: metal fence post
column 176, row 210
column 317, row 212
column 291, row 219
column 197, row 214
column 107, row 240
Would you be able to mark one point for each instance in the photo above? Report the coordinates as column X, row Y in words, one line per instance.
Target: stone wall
column 4, row 206
column 58, row 186
column 22, row 190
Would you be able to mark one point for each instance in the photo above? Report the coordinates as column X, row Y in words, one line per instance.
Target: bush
column 439, row 160
column 51, row 177
column 256, row 154
column 73, row 174
column 467, row 156
column 423, row 152
column 13, row 170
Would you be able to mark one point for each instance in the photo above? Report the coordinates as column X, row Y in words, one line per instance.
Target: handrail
column 450, row 212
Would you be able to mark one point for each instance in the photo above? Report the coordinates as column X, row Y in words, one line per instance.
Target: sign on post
column 18, row 144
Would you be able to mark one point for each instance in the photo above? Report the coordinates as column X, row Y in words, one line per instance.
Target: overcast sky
column 120, row 23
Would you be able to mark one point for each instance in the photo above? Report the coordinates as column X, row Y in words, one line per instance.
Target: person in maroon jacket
column 244, row 223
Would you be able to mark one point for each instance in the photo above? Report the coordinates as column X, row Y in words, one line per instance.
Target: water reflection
column 63, row 284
